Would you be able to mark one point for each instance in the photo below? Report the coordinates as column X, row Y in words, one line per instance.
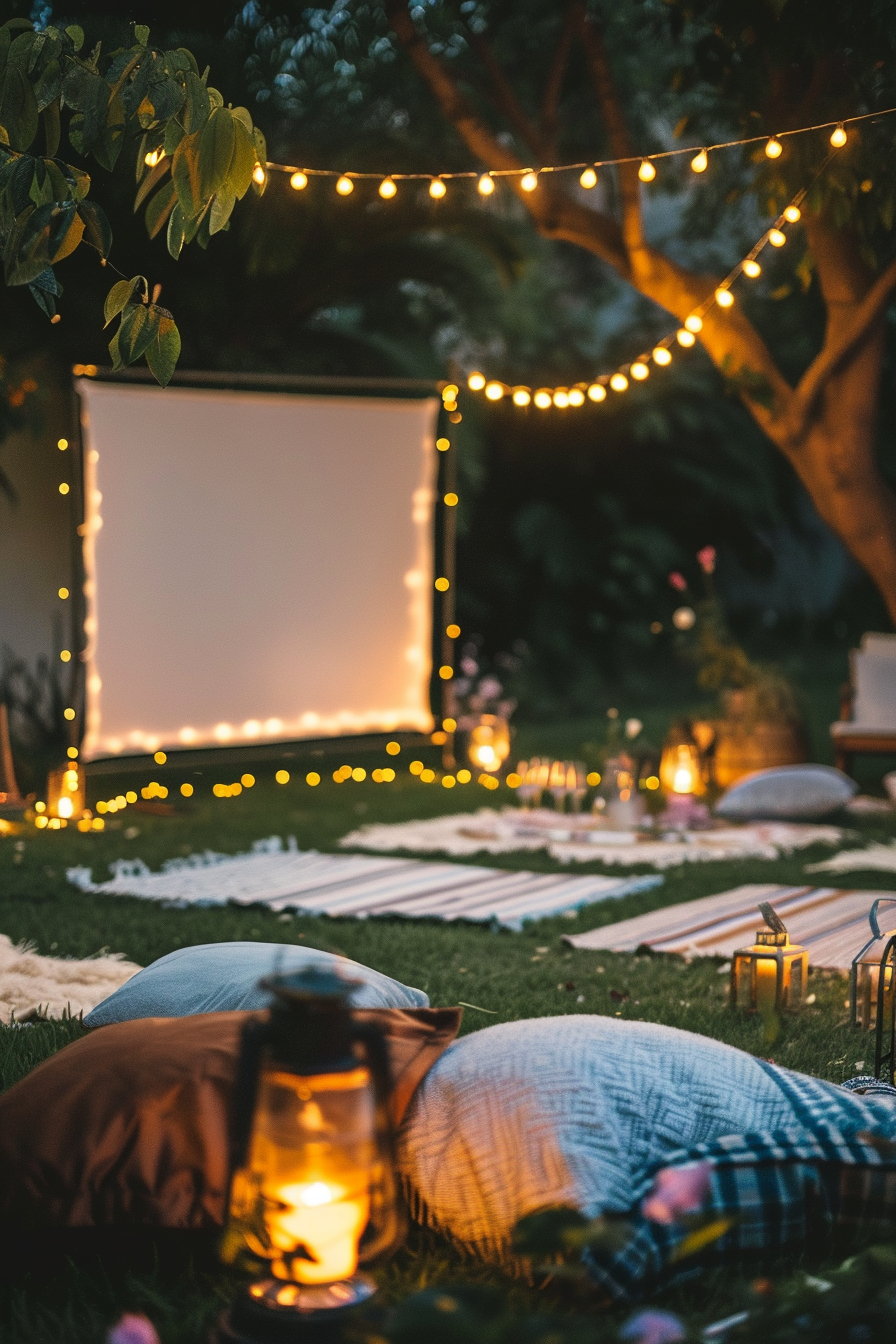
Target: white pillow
column 787, row 793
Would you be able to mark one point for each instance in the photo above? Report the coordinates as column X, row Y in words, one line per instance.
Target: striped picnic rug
column 830, row 922
column 287, row 879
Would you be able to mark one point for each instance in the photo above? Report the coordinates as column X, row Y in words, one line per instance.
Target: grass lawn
column 506, row 976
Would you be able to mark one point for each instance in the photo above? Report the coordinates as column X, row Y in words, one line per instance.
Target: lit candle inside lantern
column 766, row 983
column 327, row 1221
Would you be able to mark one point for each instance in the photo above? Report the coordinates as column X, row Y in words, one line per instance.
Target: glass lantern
column 488, row 743
column 65, row 793
column 771, row 976
column 313, row 1189
column 872, row 991
column 682, row 778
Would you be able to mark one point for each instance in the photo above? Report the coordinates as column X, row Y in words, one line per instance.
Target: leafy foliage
column 195, row 158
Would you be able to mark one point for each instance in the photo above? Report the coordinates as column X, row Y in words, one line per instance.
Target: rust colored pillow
column 128, row 1126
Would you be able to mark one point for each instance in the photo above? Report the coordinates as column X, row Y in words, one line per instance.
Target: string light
column 437, row 188
column 724, row 298
column 529, row 181
column 576, row 396
column 619, row 382
column 792, row 214
column 777, row 238
column 646, row 171
column 694, row 322
column 486, row 184
column 64, row 594
column 597, row 392
column 543, row 399
column 62, row 444
column 476, row 382
column 299, row 181
column 345, row 186
column 521, row 396
column 561, row 398
column 838, row 136
column 685, row 337
column 494, row 391
column 752, row 268
column 588, row 179
column 773, row 148
column 387, row 188
column 64, row 488
column 639, row 370
column 259, row 175
column 661, row 355
column 153, row 157
column 700, row 162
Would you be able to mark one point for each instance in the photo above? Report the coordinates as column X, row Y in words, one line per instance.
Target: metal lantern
column 488, row 743
column 313, row 1190
column 681, row 764
column 872, row 991
column 770, row 976
column 65, row 793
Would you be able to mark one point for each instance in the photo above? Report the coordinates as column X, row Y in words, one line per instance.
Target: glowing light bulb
column 597, row 392
column 298, row 181
column 752, row 268
column 792, row 214
column 494, row 391
column 443, row 445
column 345, row 186
column 68, row 714
column 64, row 593
column 437, row 188
column 588, row 179
column 838, row 137
column 62, row 444
column 694, row 322
column 619, row 382
column 476, row 382
column 639, row 371
column 259, row 175
column 685, row 337
column 529, row 181
column 646, row 172
column 576, row 396
column 773, row 148
column 65, row 656
column 661, row 355
column 387, row 188
column 561, row 398
column 700, row 162
column 777, row 238
column 724, row 297
column 446, row 672
column 543, row 399
column 64, row 488
column 521, row 396
column 450, row 391
column 442, row 585
column 486, row 184
column 153, row 157
column 451, row 499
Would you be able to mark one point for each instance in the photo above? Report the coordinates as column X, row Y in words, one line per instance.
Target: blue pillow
column 221, row 977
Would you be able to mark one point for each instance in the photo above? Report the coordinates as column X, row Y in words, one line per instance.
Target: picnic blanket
column 288, row 879
column 832, row 923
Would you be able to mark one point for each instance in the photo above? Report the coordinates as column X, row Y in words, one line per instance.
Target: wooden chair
column 867, row 721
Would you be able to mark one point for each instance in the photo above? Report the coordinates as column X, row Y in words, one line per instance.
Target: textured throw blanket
column 35, row 986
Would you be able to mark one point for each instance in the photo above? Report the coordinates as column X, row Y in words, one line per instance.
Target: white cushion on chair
column 874, row 679
column 787, row 793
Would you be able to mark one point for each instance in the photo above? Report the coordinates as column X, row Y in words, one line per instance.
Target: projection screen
column 259, row 565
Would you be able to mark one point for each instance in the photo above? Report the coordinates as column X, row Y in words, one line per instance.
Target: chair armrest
column 847, row 701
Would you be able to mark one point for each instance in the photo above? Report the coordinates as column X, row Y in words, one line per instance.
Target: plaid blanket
column 781, row 1190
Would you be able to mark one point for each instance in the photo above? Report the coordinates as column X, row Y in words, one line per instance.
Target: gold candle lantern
column 872, row 991
column 65, row 793
column 681, row 765
column 488, row 744
column 770, row 976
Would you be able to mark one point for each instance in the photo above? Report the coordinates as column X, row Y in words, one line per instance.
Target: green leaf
column 52, row 128
column 18, row 108
column 216, row 142
column 198, row 104
column 45, row 289
column 163, row 351
column 176, row 229
column 119, row 296
column 185, row 173
column 77, row 36
column 97, row 229
column 136, row 331
column 48, row 87
column 114, row 352
column 141, row 34
column 151, row 181
column 173, row 136
column 222, row 208
column 159, row 208
column 701, row 1237
column 242, row 162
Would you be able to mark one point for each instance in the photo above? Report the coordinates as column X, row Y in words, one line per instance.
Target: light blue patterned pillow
column 221, row 977
column 787, row 793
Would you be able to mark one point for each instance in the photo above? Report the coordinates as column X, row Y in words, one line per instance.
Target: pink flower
column 653, row 1327
column 707, row 559
column 678, row 581
column 132, row 1329
column 676, row 1191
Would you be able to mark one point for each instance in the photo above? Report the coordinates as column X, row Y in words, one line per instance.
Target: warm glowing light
column 486, row 184
column 72, row 753
column 453, row 632
column 450, row 725
column 792, row 213
column 427, row 776
column 416, row 767
column 639, row 371
column 838, row 137
column 259, row 175
column 437, row 188
column 543, row 399
column 298, row 181
column 597, row 392
column 448, row 781
column 64, row 488
column 446, row 672
column 752, row 268
column 160, row 758
column 282, row 776
column 387, row 188
column 153, row 157
column 774, row 149
column 619, row 382
column 64, row 593
column 476, row 382
column 685, row 337
column 700, row 162
column 694, row 322
column 661, row 355
column 451, row 499
column 345, row 186
column 247, row 781
column 575, row 397
column 65, row 656
column 443, row 445
column 529, row 181
column 724, row 297
column 359, row 774
column 442, row 585
column 187, row 790
column 312, row 778
column 652, row 782
column 588, row 179
column 646, row 172
column 494, row 391
column 68, row 714
column 561, row 398
column 393, row 748
column 521, row 396
column 62, row 444
column 777, row 238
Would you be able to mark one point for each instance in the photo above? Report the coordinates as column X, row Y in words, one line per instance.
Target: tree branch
column 504, row 98
column 553, row 88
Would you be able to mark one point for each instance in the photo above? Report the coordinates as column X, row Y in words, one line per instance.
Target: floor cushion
column 787, row 793
column 223, row 977
column 127, row 1127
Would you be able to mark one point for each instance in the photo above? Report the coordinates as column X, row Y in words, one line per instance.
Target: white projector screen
column 259, row 566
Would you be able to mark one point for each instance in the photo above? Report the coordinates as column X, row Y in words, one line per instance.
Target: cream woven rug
column 35, row 986
column 491, row 832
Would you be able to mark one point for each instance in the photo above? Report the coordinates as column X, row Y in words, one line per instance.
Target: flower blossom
column 653, row 1327
column 684, row 618
column 132, row 1328
column 707, row 559
column 678, row 581
column 676, row 1191
column 633, row 727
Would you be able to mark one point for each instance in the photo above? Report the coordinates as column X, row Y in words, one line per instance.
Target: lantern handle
column 872, row 914
column 772, row 918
